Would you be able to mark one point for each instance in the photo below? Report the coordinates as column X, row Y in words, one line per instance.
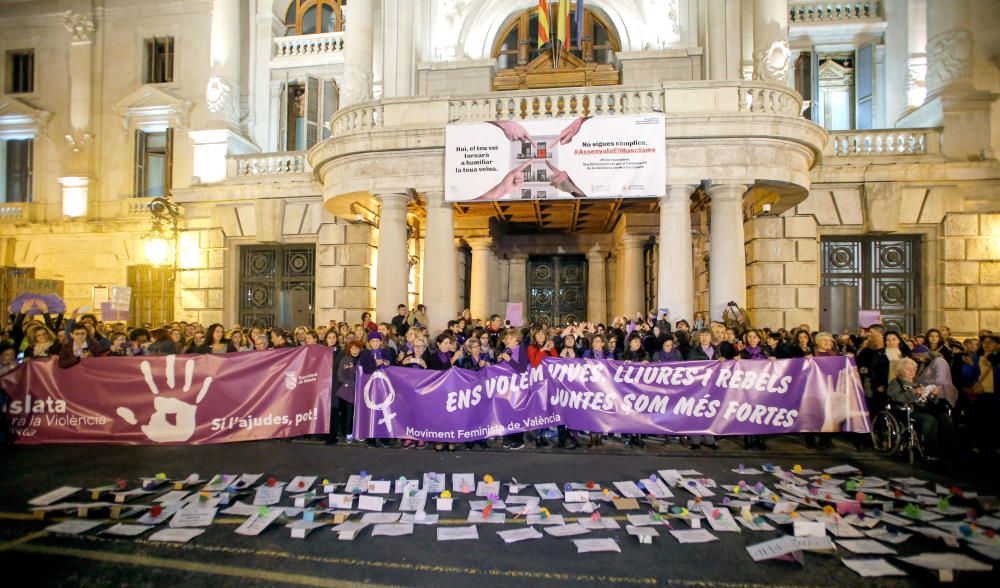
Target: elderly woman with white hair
column 929, row 411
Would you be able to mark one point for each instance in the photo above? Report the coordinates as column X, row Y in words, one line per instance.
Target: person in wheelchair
column 930, row 409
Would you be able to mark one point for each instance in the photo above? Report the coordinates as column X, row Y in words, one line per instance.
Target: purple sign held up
column 821, row 394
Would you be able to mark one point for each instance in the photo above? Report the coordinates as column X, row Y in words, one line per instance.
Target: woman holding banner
column 346, row 375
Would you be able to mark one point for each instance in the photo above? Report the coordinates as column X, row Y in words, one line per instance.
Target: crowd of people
column 950, row 384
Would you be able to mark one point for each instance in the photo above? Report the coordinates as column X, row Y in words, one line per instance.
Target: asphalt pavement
column 220, row 557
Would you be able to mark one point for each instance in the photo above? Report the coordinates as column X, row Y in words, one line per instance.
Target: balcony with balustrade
column 308, row 50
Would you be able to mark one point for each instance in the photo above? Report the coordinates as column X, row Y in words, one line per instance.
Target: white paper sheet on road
column 515, row 535
column 457, row 533
column 872, row 568
column 54, row 496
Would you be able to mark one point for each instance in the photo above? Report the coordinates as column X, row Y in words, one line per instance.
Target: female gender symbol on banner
column 390, row 395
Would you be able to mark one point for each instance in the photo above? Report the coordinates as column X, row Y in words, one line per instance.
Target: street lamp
column 162, row 236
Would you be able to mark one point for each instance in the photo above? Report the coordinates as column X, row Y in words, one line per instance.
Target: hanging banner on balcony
column 556, row 158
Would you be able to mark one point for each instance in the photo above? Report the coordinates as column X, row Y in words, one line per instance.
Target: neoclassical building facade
column 808, row 144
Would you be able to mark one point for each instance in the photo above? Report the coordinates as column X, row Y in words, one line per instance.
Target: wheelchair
column 893, row 431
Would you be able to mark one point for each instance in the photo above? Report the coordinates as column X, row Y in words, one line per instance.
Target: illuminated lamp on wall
column 74, row 193
column 160, row 243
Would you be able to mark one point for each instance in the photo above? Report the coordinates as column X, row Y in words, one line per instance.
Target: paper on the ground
column 411, row 517
column 602, row 523
column 838, row 528
column 883, row 534
column 946, row 561
column 413, row 501
column 176, row 535
column 628, row 489
column 894, row 520
column 245, row 481
column 642, row 520
column 267, row 495
column 172, row 496
column 258, row 522
column 537, row 519
column 595, row 545
column 302, row 528
column 193, row 516
column 720, row 519
column 990, row 551
column 866, row 547
column 341, row 501
column 123, row 530
column 378, row 518
column 570, row 530
column 366, row 502
column 129, row 494
column 402, row 486
column 779, row 547
column 482, row 504
column 54, row 496
column 301, row 483
column 657, row 488
column 577, row 496
column 872, row 568
column 809, row 529
column 357, row 484
column 463, row 483
column 240, row 509
column 754, row 526
column 549, row 491
column 748, row 471
column 73, row 527
column 219, row 483
column 841, row 469
column 393, row 529
column 168, row 511
column 515, row 535
column 909, row 481
column 817, row 544
column 696, row 487
column 641, row 531
column 693, row 536
column 434, row 483
column 522, row 500
column 484, row 489
column 476, row 516
column 580, row 507
column 379, row 487
column 457, row 533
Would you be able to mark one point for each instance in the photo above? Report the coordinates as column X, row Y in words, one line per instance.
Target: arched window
column 308, row 17
column 522, row 64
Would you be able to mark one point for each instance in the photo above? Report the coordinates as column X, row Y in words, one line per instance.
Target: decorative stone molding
column 80, row 25
column 916, row 81
column 949, row 58
column 220, row 98
column 771, row 63
column 150, row 105
column 19, row 120
column 78, row 140
column 357, row 85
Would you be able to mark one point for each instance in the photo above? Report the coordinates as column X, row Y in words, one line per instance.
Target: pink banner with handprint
column 173, row 399
column 556, row 158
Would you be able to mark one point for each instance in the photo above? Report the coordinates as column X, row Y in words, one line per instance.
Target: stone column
column 597, row 285
column 75, row 185
column 440, row 263
column 949, row 46
column 771, row 56
column 519, row 281
column 266, row 27
column 724, row 39
column 480, row 292
column 358, row 53
column 675, row 270
column 392, row 271
column 632, row 278
column 916, row 43
column 398, row 66
column 727, row 279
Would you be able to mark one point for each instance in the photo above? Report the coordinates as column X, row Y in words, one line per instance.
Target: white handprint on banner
column 159, row 428
column 841, row 402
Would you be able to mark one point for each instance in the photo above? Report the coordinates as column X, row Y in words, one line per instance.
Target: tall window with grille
column 153, row 162
column 16, row 169
column 152, row 295
column 159, row 60
column 21, row 71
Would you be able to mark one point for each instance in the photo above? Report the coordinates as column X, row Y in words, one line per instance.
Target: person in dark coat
column 79, row 348
column 347, row 375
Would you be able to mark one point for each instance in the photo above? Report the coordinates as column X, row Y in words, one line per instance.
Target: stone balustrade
column 16, row 212
column 808, row 13
column 884, row 143
column 671, row 99
column 308, row 49
column 135, row 206
column 267, row 164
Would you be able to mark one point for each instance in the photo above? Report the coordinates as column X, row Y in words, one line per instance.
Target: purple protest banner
column 708, row 397
column 173, row 399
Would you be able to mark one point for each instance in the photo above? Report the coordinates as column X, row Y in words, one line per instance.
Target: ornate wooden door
column 266, row 269
column 557, row 289
column 885, row 271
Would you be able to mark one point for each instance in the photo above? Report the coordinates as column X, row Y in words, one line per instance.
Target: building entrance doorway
column 557, row 288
